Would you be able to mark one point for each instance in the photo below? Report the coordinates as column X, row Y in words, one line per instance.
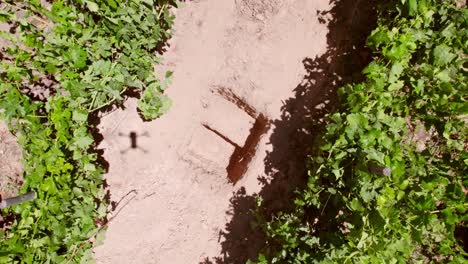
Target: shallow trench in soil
column 251, row 81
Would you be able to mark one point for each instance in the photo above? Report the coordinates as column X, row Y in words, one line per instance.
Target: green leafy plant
column 62, row 62
column 408, row 120
column 153, row 103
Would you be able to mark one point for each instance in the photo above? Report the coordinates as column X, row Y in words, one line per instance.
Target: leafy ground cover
column 62, row 62
column 388, row 180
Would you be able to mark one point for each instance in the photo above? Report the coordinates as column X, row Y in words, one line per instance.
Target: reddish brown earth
column 234, row 64
column 10, row 165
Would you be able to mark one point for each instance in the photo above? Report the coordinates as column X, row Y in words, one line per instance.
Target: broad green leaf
column 443, row 76
column 443, row 55
column 89, row 167
column 92, row 6
column 395, row 72
column 78, row 57
column 80, row 116
column 356, row 205
column 356, row 122
column 83, row 142
column 412, row 7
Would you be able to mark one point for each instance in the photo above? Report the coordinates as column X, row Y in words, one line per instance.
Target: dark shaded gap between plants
column 461, row 234
column 300, row 125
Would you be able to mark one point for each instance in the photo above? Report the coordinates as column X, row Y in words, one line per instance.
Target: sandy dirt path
column 175, row 191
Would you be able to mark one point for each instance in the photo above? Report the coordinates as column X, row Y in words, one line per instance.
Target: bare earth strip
column 234, row 64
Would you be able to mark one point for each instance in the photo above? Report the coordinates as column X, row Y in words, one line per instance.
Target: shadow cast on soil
column 300, row 123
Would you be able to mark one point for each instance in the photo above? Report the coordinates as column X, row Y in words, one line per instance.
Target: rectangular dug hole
column 227, row 121
column 242, row 128
column 241, row 158
column 207, row 152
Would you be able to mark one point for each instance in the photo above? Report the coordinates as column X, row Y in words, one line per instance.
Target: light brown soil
column 10, row 163
column 234, row 64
